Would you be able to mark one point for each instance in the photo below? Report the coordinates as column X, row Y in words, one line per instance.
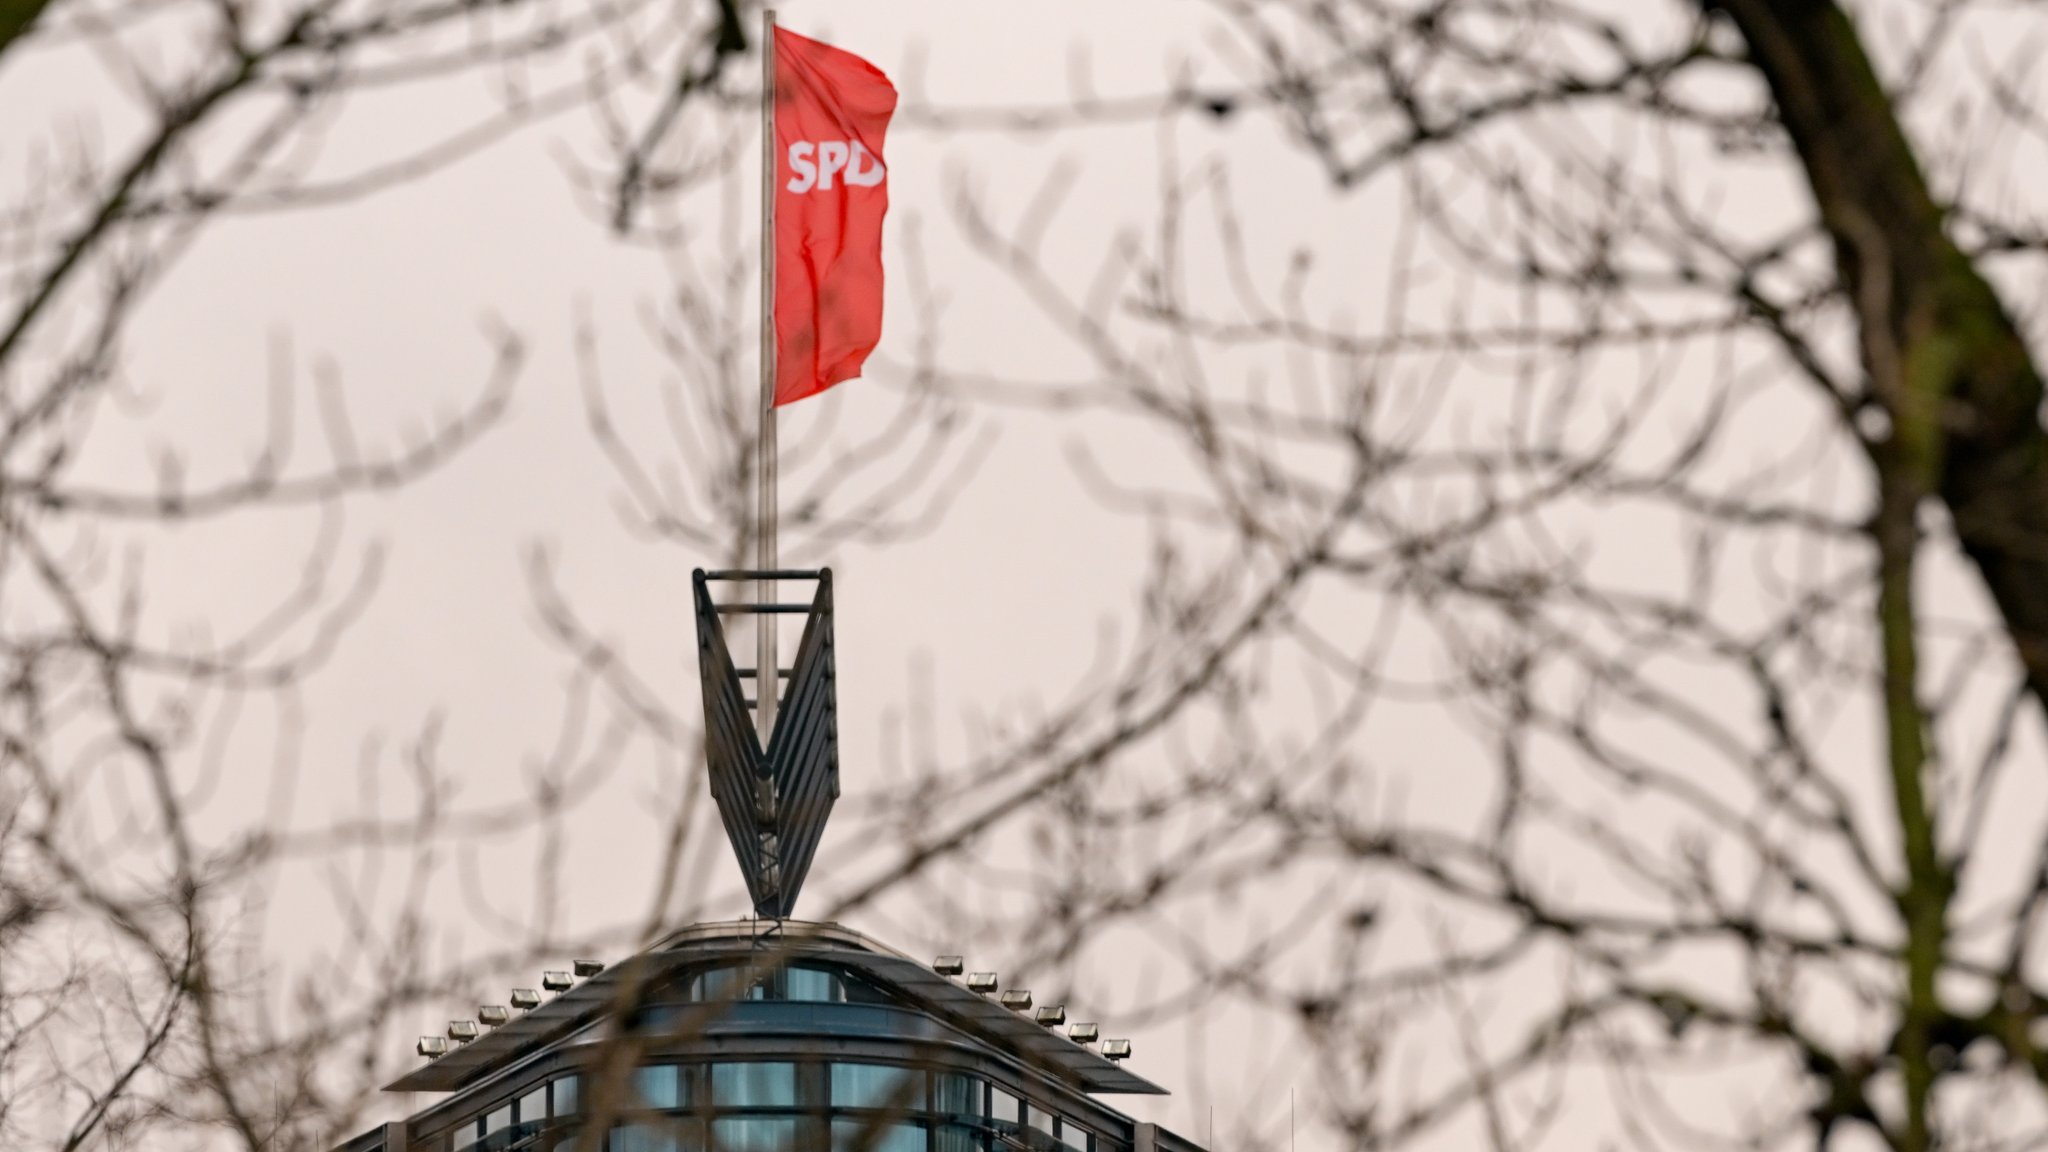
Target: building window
column 753, row 1086
column 955, row 1094
column 655, row 1087
column 810, row 985
column 877, row 1086
column 865, row 1136
column 720, row 984
column 565, row 1096
column 675, row 1135
column 755, row 1134
column 787, row 1106
column 1003, row 1106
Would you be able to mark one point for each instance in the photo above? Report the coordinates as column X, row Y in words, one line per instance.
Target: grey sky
column 1000, row 610
column 1001, row 605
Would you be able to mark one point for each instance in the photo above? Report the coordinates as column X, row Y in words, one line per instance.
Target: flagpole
column 767, row 677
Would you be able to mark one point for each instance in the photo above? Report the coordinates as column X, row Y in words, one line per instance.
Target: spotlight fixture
column 431, row 1046
column 585, row 969
column 492, row 1015
column 462, row 1031
column 556, row 981
column 525, row 999
column 1116, row 1049
column 1052, row 1015
column 1083, row 1033
column 982, row 982
column 1016, row 1000
column 949, row 965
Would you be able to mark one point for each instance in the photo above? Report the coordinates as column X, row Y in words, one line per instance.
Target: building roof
column 977, row 1016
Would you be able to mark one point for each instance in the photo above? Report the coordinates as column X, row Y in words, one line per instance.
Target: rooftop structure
column 772, row 1034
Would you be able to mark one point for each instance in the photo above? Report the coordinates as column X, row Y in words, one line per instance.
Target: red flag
column 832, row 111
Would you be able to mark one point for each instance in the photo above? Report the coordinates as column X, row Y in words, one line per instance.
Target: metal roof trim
column 979, row 1016
column 558, row 1019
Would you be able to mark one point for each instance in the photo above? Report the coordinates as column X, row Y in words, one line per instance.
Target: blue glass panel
column 655, row 1086
column 644, row 1138
column 877, row 1086
column 812, row 984
column 755, row 1134
column 860, row 1136
column 498, row 1121
column 565, row 1096
column 956, row 1094
column 956, row 1138
column 1003, row 1106
column 722, row 984
column 753, row 1085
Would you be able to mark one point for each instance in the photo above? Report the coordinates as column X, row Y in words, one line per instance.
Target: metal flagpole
column 767, row 677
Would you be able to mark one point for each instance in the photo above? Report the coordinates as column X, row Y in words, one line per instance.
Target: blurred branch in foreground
column 1608, row 664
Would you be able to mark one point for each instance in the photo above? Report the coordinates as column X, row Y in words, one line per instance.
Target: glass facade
column 518, row 1123
column 657, row 1086
column 877, row 1086
column 956, row 1094
column 876, row 1135
column 784, row 1106
column 646, row 1138
column 753, row 1085
column 795, row 983
column 755, row 1134
column 1003, row 1106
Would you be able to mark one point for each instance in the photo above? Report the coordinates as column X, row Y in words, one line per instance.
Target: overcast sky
column 1000, row 606
column 997, row 611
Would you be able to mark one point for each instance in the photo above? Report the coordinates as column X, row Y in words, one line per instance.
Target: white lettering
column 831, row 161
column 806, row 172
column 863, row 177
column 818, row 162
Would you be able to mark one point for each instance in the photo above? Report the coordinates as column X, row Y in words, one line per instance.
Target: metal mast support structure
column 766, row 553
column 775, row 775
column 773, row 797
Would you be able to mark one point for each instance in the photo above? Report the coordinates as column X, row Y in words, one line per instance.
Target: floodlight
column 588, row 968
column 492, row 1015
column 556, row 981
column 1016, row 1000
column 1052, row 1015
column 949, row 965
column 431, row 1046
column 525, row 999
column 982, row 982
column 1083, row 1033
column 1116, row 1049
column 462, row 1031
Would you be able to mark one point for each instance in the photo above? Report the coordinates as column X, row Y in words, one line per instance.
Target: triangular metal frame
column 774, row 803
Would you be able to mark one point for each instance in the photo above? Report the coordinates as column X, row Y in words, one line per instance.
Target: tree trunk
column 1946, row 361
column 15, row 18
